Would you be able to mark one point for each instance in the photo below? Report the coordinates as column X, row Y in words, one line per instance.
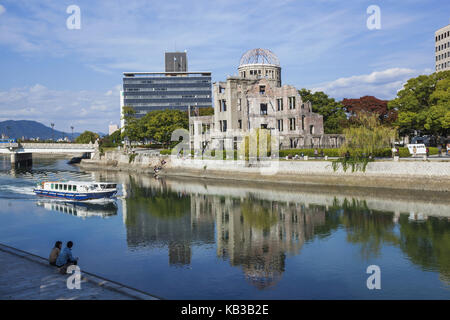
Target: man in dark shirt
column 65, row 258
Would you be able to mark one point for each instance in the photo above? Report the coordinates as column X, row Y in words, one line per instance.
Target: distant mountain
column 101, row 134
column 31, row 129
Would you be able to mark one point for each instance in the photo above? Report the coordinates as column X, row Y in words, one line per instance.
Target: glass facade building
column 148, row 91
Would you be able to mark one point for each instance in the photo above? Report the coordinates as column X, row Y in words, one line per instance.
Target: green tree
column 134, row 129
column 333, row 113
column 440, row 110
column 208, row 111
column 367, row 136
column 159, row 124
column 86, row 137
column 424, row 104
column 112, row 140
column 364, row 137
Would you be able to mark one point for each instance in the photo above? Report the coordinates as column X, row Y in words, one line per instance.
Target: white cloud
column 314, row 40
column 2, row 9
column 382, row 84
column 85, row 110
column 217, row 34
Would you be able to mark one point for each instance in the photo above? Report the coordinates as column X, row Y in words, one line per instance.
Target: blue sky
column 72, row 77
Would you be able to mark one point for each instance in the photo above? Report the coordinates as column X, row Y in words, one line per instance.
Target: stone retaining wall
column 417, row 175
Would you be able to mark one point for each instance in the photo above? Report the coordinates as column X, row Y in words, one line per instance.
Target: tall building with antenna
column 175, row 88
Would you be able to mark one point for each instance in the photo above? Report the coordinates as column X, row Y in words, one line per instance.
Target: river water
column 188, row 239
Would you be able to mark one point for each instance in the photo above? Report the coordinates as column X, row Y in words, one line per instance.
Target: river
column 194, row 239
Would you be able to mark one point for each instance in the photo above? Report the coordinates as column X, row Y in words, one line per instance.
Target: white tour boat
column 76, row 190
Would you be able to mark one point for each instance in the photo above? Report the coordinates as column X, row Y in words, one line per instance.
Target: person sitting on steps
column 65, row 258
column 55, row 253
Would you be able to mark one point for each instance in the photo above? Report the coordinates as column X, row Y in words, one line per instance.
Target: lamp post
column 71, row 127
column 52, row 125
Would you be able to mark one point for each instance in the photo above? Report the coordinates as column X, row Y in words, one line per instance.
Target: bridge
column 21, row 153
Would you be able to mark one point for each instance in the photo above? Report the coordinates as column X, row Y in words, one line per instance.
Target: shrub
column 151, row 146
column 132, row 157
column 357, row 164
column 433, row 151
column 385, row 152
column 403, row 152
column 309, row 152
column 166, row 152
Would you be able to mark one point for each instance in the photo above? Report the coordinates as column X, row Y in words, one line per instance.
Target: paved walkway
column 24, row 276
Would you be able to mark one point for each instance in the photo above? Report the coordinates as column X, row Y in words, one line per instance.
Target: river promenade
column 424, row 175
column 24, row 276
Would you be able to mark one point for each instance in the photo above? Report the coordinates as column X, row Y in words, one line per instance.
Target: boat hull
column 74, row 195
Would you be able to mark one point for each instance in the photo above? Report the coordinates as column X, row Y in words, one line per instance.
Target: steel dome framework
column 259, row 56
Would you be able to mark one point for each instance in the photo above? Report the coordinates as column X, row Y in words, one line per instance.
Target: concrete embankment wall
column 123, row 162
column 416, row 175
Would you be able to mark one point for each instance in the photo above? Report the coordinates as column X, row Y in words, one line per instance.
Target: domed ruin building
column 256, row 99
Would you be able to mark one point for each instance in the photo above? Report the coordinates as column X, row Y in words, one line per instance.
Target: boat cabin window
column 53, row 186
column 74, row 188
column 65, row 187
column 70, row 187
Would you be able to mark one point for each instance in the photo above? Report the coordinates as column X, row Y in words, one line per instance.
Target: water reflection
column 258, row 235
column 80, row 209
column 369, row 229
column 160, row 217
column 427, row 244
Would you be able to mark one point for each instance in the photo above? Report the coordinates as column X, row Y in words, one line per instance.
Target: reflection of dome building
column 260, row 246
column 260, row 63
column 261, row 279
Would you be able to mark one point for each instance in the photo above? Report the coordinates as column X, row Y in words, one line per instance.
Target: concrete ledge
column 96, row 280
column 407, row 175
column 422, row 183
